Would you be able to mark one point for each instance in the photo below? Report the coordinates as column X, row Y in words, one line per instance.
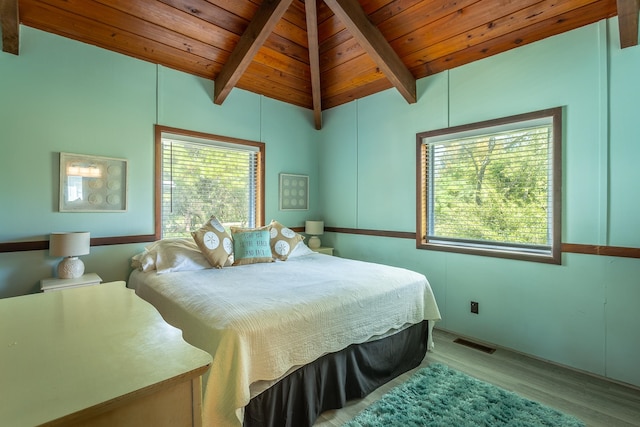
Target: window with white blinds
column 208, row 175
column 493, row 188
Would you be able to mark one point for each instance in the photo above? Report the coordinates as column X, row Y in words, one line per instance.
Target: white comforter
column 260, row 320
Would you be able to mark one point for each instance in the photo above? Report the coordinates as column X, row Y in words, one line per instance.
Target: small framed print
column 92, row 183
column 294, row 192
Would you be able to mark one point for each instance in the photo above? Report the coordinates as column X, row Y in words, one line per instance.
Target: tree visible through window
column 202, row 175
column 492, row 188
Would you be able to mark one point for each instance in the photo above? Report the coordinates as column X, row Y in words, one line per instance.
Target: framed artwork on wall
column 294, row 192
column 92, row 183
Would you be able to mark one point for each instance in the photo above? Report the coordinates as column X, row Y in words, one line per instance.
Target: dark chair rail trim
column 95, row 241
column 616, row 251
column 575, row 248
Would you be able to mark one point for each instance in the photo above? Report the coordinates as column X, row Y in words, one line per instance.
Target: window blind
column 204, row 179
column 494, row 189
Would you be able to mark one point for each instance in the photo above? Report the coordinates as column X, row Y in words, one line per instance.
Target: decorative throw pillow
column 283, row 240
column 179, row 255
column 214, row 242
column 300, row 250
column 251, row 245
column 144, row 261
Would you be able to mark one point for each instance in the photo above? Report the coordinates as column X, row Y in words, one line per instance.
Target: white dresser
column 95, row 356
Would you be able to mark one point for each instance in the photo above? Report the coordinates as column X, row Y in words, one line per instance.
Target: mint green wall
column 622, row 276
column 339, row 166
column 580, row 313
column 61, row 95
column 624, row 209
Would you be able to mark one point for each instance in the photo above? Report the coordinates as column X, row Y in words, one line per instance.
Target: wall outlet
column 474, row 307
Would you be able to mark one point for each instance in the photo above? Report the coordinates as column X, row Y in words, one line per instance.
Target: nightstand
column 324, row 250
column 55, row 284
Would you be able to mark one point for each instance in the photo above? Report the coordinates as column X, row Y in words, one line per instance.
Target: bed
column 290, row 339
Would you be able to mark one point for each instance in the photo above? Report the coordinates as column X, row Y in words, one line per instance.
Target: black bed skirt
column 328, row 383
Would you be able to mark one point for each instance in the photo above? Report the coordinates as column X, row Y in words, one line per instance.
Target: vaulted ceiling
column 316, row 54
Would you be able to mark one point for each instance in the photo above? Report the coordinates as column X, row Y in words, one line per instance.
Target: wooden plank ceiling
column 316, row 54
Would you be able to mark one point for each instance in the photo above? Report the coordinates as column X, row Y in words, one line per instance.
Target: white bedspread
column 260, row 320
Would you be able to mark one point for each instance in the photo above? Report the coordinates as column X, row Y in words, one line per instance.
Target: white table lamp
column 314, row 229
column 70, row 246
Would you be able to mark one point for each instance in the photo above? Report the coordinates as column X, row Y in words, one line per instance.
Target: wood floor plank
column 596, row 401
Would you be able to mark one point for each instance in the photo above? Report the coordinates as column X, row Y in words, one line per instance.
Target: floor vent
column 474, row 345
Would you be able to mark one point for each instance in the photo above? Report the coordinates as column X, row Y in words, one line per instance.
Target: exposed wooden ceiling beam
column 373, row 42
column 311, row 11
column 262, row 24
column 628, row 22
column 10, row 23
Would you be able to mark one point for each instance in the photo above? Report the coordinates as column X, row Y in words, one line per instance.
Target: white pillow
column 144, row 261
column 169, row 255
column 300, row 250
column 180, row 255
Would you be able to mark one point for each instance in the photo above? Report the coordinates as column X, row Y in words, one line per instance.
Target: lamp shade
column 69, row 244
column 315, row 228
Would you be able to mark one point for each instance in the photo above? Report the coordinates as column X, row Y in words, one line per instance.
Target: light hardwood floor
column 599, row 403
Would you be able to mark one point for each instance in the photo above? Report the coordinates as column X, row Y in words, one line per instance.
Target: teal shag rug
column 440, row 396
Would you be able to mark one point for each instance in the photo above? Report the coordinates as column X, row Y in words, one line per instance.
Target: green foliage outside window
column 201, row 180
column 493, row 188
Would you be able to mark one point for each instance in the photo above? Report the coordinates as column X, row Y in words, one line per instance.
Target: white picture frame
column 93, row 183
column 294, row 192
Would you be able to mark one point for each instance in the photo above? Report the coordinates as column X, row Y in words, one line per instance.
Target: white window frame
column 550, row 253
